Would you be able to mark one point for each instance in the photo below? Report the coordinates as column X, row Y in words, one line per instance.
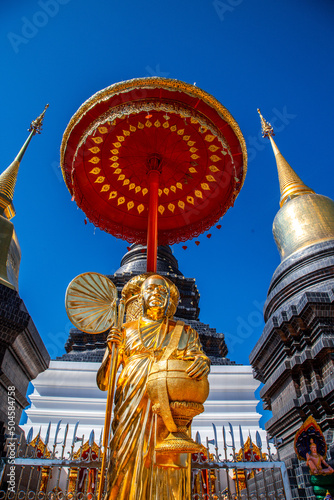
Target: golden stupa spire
column 290, row 183
column 9, row 176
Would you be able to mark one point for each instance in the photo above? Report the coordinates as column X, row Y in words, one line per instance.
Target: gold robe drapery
column 132, row 474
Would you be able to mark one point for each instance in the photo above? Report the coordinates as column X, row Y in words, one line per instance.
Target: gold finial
column 36, row 125
column 290, row 183
column 9, row 176
column 267, row 129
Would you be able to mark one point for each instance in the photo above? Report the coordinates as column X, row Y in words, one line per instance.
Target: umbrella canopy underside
column 110, row 142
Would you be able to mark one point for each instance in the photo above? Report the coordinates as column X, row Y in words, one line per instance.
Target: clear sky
column 248, row 53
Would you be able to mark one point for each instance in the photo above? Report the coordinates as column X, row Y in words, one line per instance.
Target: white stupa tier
column 67, row 391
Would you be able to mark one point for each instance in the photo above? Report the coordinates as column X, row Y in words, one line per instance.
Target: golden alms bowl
column 178, row 398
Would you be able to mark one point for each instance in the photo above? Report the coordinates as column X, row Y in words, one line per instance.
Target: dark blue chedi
column 83, row 347
column 293, row 358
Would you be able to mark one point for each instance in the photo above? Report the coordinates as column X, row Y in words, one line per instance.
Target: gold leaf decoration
column 140, row 208
column 198, row 193
column 171, row 207
column 121, row 177
column 121, row 200
column 214, row 158
column 114, row 158
column 118, row 171
column 193, row 150
column 132, row 128
column 132, row 186
column 126, row 132
column 159, row 192
column 113, row 194
column 126, row 182
column 96, row 170
column 140, row 125
column 191, row 143
column 179, row 185
column 192, row 170
column 166, row 191
column 210, row 178
column 186, row 137
column 94, row 160
column 209, row 137
column 173, row 188
column 173, row 128
column 137, row 189
column 100, row 179
column 148, row 124
column 130, row 205
column 94, row 150
column 194, row 156
column 105, row 188
column 193, row 120
column 181, row 204
column 165, row 125
column 213, row 148
column 114, row 165
column 102, row 130
column 144, row 191
column 117, row 144
column 114, row 151
column 205, row 186
column 97, row 140
column 120, row 138
column 213, row 168
column 181, row 131
column 161, row 209
column 190, row 200
column 157, row 123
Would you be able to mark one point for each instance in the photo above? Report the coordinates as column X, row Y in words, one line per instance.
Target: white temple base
column 67, row 391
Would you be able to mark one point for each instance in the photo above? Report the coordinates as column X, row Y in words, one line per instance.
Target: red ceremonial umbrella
column 153, row 160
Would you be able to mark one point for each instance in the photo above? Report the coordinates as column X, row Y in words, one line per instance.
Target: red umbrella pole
column 152, row 227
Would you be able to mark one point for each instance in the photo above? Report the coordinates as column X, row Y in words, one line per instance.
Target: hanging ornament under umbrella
column 153, row 160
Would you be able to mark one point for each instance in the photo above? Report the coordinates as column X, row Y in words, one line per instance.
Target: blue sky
column 248, row 53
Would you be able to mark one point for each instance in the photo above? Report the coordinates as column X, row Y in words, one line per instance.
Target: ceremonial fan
column 91, row 305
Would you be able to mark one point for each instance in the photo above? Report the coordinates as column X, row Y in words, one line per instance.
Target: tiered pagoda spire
column 293, row 357
column 305, row 218
column 9, row 176
column 10, row 252
column 22, row 354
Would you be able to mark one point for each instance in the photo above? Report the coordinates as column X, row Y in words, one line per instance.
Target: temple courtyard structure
column 292, row 359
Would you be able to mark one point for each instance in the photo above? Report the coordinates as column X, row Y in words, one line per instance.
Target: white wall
column 67, row 391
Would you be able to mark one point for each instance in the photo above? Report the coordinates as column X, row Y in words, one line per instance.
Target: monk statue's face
column 155, row 297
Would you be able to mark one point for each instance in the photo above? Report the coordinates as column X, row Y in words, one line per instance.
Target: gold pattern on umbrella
column 123, row 133
column 90, row 302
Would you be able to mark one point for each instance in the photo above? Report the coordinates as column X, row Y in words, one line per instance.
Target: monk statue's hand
column 115, row 337
column 199, row 368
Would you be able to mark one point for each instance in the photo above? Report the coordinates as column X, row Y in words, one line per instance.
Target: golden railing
column 70, row 468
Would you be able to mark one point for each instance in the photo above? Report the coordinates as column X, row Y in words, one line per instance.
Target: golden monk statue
column 136, row 470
